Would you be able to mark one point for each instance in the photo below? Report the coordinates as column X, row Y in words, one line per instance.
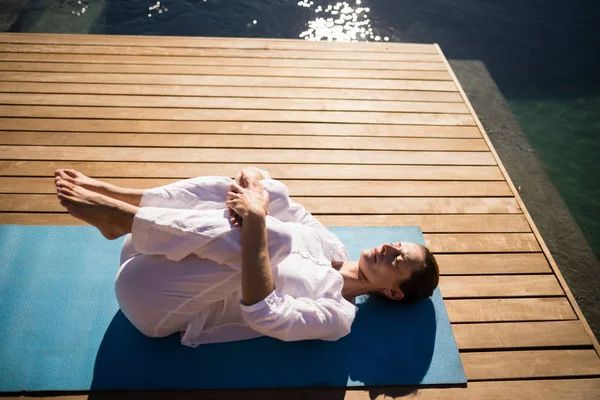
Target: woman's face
column 385, row 266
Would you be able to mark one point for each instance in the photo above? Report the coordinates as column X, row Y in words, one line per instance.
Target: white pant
column 184, row 255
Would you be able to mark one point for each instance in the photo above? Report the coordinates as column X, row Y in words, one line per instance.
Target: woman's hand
column 248, row 198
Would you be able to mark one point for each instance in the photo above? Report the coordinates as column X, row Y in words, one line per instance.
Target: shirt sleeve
column 290, row 319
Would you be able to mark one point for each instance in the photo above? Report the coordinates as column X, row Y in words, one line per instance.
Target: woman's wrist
column 256, row 216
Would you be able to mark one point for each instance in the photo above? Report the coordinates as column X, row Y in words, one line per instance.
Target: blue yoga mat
column 61, row 329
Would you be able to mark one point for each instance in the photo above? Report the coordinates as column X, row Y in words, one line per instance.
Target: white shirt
column 194, row 237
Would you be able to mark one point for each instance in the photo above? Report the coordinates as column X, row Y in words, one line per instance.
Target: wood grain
column 483, row 264
column 232, row 80
column 216, row 52
column 440, row 223
column 482, row 243
column 499, row 286
column 318, row 205
column 235, row 127
column 224, row 62
column 428, row 223
column 235, row 115
column 277, row 171
column 223, row 155
column 328, row 188
column 509, row 310
column 237, row 141
column 503, row 335
column 223, row 70
column 530, row 364
column 96, row 100
column 232, row 92
column 215, row 42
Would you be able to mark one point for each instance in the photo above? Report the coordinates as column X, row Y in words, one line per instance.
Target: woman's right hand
column 246, row 198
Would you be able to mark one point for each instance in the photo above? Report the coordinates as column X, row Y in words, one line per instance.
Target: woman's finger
column 236, row 188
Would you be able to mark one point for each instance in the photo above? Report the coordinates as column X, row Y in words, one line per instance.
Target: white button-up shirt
column 194, row 237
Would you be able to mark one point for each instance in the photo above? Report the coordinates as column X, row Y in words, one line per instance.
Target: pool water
column 543, row 54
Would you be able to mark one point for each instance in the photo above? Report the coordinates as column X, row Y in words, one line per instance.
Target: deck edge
column 534, row 228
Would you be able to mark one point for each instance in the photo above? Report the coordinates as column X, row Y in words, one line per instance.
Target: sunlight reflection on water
column 339, row 22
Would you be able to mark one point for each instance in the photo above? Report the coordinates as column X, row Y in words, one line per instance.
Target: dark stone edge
column 565, row 240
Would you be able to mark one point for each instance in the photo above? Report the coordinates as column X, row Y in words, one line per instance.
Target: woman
column 221, row 260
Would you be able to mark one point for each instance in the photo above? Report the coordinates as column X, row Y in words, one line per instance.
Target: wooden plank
column 320, row 188
column 215, row 42
column 537, row 234
column 320, row 205
column 223, row 70
column 530, row 364
column 220, row 61
column 233, row 91
column 297, row 156
column 499, row 286
column 481, row 264
column 228, row 103
column 482, row 243
column 428, row 223
column 217, row 80
column 277, row 171
column 348, row 55
column 438, row 223
column 509, row 310
column 343, row 117
column 240, row 141
column 505, row 335
column 410, row 205
column 241, row 155
column 233, row 127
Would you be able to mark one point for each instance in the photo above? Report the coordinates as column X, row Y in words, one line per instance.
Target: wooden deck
column 363, row 134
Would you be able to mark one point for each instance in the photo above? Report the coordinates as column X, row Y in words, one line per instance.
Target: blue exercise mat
column 61, row 329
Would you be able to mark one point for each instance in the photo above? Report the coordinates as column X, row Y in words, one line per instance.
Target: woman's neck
column 354, row 284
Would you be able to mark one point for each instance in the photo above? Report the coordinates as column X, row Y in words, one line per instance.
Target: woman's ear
column 394, row 294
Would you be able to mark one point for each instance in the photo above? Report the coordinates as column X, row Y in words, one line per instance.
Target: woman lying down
column 221, row 260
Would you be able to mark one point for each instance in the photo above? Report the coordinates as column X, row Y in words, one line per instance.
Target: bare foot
column 79, row 179
column 131, row 196
column 112, row 217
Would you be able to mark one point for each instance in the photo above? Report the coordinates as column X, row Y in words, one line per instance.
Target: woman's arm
column 257, row 278
column 290, row 319
column 249, row 201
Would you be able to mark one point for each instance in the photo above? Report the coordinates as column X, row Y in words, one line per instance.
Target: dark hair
column 421, row 283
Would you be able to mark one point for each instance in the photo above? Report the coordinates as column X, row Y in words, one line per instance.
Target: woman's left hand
column 247, row 201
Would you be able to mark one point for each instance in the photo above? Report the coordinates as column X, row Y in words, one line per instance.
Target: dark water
column 543, row 54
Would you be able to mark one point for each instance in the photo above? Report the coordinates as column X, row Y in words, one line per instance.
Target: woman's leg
column 196, row 193
column 174, row 233
column 127, row 195
column 160, row 296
